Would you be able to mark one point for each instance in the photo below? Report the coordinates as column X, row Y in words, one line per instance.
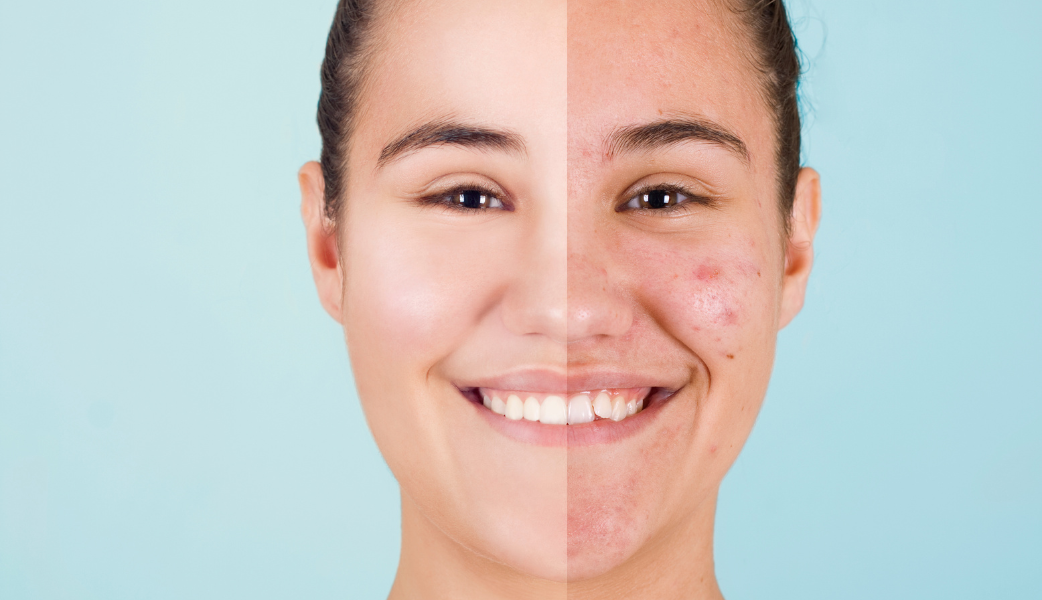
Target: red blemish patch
column 707, row 273
column 712, row 449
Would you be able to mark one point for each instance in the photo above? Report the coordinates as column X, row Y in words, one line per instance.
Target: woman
column 561, row 241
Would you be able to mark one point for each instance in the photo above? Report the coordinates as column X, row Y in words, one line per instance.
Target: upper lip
column 579, row 379
column 523, row 380
column 583, row 380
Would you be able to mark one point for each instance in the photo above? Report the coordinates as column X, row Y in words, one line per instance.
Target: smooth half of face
column 452, row 266
column 680, row 273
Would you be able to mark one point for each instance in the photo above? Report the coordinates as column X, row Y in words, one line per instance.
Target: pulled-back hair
column 775, row 55
column 343, row 70
column 349, row 47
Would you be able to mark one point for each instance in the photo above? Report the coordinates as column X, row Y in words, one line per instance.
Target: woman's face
column 575, row 204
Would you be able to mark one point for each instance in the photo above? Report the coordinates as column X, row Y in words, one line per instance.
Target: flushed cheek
column 415, row 298
column 714, row 307
column 707, row 293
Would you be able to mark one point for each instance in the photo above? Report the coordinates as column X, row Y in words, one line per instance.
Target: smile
column 599, row 406
column 552, row 409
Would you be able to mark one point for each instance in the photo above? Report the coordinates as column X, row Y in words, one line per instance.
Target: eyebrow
column 660, row 134
column 444, row 132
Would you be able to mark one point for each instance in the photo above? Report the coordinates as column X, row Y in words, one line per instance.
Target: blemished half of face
column 561, row 270
column 675, row 262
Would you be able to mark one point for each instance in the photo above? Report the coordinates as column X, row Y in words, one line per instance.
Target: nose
column 536, row 303
column 595, row 306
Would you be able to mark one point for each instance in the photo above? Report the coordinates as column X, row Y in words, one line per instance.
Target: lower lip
column 603, row 431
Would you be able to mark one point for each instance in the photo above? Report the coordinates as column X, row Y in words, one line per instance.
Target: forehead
column 632, row 61
column 494, row 62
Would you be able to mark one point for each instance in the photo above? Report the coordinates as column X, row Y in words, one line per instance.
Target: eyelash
column 449, row 199
column 633, row 203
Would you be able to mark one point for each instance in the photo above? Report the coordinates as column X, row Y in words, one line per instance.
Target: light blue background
column 177, row 418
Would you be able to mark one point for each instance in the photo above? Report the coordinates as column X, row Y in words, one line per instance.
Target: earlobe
column 799, row 250
column 321, row 239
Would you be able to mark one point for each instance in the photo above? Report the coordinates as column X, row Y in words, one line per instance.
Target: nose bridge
column 596, row 306
column 536, row 301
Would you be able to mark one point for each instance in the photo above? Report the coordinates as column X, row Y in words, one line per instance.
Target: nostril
column 601, row 314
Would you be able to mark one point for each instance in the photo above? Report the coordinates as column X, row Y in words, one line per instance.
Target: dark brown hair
column 348, row 51
column 776, row 56
column 343, row 69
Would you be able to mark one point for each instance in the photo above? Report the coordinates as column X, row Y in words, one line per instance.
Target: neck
column 434, row 566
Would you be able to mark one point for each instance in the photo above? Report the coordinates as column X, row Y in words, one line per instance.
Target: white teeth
column 579, row 409
column 531, row 409
column 618, row 409
column 516, row 408
column 553, row 411
column 602, row 405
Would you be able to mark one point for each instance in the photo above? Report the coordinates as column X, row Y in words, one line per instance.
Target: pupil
column 472, row 199
column 658, row 198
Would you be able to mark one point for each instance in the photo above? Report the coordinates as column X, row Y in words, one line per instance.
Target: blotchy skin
column 698, row 296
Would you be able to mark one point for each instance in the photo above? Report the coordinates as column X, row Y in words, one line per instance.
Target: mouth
column 564, row 408
column 584, row 407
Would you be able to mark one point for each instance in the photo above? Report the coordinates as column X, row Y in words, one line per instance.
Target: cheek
column 409, row 295
column 713, row 291
column 711, row 302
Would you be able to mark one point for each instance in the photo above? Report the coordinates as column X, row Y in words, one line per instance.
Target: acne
column 716, row 296
column 605, row 511
column 707, row 272
column 715, row 306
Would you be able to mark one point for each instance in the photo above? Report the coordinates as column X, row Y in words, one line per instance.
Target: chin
column 529, row 548
column 603, row 534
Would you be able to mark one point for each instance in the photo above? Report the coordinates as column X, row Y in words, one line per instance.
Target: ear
column 321, row 238
column 799, row 251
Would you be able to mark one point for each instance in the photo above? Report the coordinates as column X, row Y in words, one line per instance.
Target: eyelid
column 438, row 198
column 692, row 198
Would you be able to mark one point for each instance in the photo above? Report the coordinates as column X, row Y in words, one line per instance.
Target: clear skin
column 432, row 298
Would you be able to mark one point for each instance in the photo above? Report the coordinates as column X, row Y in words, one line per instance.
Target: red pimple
column 707, row 272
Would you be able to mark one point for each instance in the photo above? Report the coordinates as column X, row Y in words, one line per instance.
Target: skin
column 429, row 297
column 563, row 281
column 696, row 296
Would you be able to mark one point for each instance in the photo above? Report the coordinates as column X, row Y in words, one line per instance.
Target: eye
column 467, row 199
column 657, row 199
